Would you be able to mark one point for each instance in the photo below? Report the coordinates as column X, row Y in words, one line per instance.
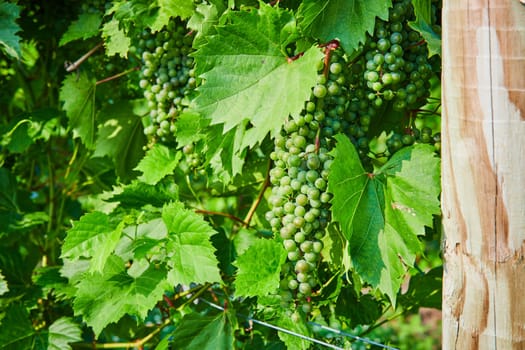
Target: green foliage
column 158, row 162
column 16, row 331
column 192, row 258
column 115, row 39
column 63, row 332
column 9, row 39
column 120, row 137
column 423, row 24
column 78, row 95
column 263, row 83
column 258, row 268
column 204, row 332
column 105, row 297
column 383, row 212
column 347, row 21
column 87, row 26
column 93, row 236
column 244, row 156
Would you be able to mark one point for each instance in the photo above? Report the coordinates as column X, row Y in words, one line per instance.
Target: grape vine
column 167, row 77
column 223, row 174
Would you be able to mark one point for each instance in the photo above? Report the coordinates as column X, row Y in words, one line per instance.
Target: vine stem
column 227, row 215
column 70, row 67
column 258, row 200
column 190, row 187
column 51, row 213
column 116, row 76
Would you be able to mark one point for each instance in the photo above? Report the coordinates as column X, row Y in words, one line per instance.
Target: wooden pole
column 483, row 174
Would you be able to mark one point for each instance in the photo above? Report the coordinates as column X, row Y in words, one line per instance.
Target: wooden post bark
column 483, row 174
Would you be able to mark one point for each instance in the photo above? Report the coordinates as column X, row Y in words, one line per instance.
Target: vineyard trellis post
column 483, row 174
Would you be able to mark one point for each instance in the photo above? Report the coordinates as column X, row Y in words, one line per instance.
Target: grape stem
column 259, row 198
column 70, row 67
column 419, row 43
column 116, row 76
column 294, row 58
column 328, row 48
column 227, row 215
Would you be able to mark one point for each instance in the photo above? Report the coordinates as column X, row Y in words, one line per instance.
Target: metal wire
column 302, row 336
column 348, row 335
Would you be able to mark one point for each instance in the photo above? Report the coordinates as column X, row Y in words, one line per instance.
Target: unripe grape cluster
column 299, row 200
column 397, row 67
column 166, row 76
column 392, row 71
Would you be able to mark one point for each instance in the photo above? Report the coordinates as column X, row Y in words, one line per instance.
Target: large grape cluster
column 391, row 71
column 396, row 61
column 299, row 199
column 167, row 77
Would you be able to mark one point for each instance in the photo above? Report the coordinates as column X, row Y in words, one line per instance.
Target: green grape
column 167, row 78
column 301, row 161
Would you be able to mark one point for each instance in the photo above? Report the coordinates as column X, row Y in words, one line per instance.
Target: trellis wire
column 348, row 335
column 302, row 336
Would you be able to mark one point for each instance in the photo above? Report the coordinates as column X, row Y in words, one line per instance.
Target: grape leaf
column 192, row 253
column 9, row 40
column 203, row 20
column 182, row 8
column 52, row 283
column 413, row 178
column 382, row 213
column 103, row 298
column 334, row 246
column 191, row 128
column 158, row 162
column 8, row 192
column 93, row 236
column 360, row 309
column 223, row 153
column 169, row 8
column 345, row 20
column 259, row 268
column 206, row 332
column 424, row 290
column 3, row 284
column 138, row 194
column 247, row 75
column 78, row 95
column 62, row 332
column 121, row 137
column 147, row 237
column 423, row 12
column 16, row 330
column 149, row 14
column 115, row 39
column 86, row 26
column 19, row 137
column 292, row 341
column 344, row 208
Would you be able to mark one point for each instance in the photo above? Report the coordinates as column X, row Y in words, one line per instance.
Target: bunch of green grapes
column 166, row 77
column 397, row 67
column 300, row 208
column 392, row 71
